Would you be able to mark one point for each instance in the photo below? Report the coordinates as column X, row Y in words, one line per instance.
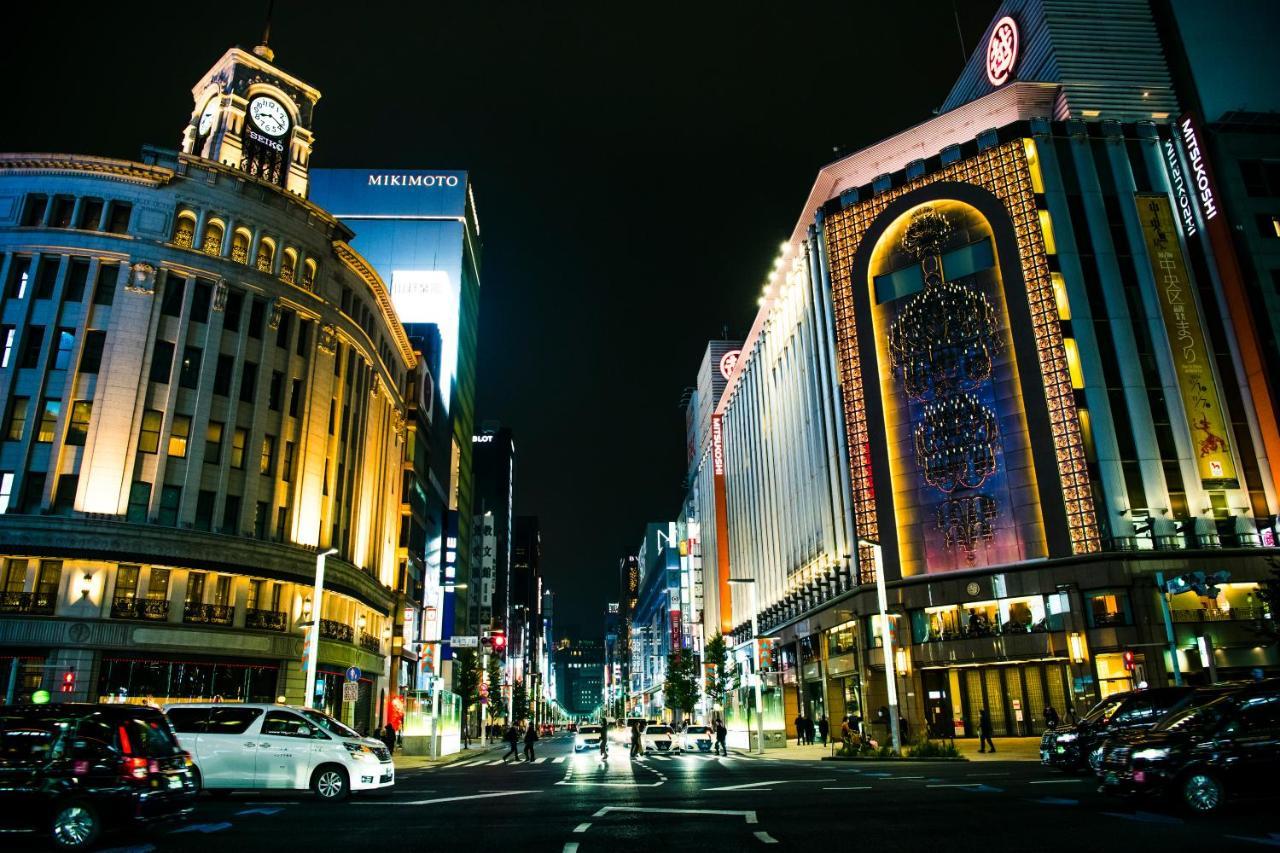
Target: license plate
column 1112, row 779
column 175, row 781
column 1139, row 776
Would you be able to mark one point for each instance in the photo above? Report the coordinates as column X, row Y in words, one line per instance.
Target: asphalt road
column 567, row 802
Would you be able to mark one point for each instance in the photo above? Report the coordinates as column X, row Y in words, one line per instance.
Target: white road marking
column 748, row 816
column 850, row 788
column 612, row 784
column 571, row 847
column 540, row 760
column 766, row 838
column 1057, row 781
column 768, row 782
column 443, row 799
column 559, row 760
column 582, row 827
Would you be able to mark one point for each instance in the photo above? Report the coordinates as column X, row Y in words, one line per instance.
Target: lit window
column 288, row 264
column 49, row 420
column 149, row 440
column 266, row 255
column 1046, row 227
column 267, row 463
column 66, row 343
column 7, row 336
column 6, row 490
column 178, row 435
column 17, row 418
column 240, row 247
column 213, row 443
column 1073, row 363
column 212, row 243
column 78, row 430
column 239, row 439
column 184, row 233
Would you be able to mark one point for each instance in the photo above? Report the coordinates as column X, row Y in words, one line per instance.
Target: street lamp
column 313, row 648
column 886, row 633
column 750, row 584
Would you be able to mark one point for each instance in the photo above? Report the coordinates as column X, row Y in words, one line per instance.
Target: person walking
column 799, row 721
column 635, row 739
column 1051, row 718
column 530, row 738
column 512, row 737
column 721, row 735
column 389, row 737
column 824, row 728
column 984, row 731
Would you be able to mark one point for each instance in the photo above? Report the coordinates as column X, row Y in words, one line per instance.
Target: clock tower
column 254, row 117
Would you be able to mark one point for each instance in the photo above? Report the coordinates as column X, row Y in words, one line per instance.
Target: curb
column 912, row 758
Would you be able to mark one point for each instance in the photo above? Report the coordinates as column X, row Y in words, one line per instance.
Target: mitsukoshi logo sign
column 1002, row 51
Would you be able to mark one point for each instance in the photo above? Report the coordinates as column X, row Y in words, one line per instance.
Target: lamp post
column 750, row 584
column 313, row 649
column 890, row 662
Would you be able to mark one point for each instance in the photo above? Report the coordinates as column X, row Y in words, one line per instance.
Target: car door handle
column 249, row 744
column 265, row 745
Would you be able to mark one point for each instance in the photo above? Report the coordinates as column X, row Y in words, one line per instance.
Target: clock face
column 206, row 117
column 269, row 116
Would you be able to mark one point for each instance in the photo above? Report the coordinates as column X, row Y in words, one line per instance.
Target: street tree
column 466, row 681
column 497, row 707
column 717, row 660
column 519, row 702
column 681, row 685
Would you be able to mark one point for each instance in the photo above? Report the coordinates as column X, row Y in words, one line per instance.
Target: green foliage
column 681, row 685
column 717, row 656
column 519, row 702
column 497, row 707
column 933, row 749
column 466, row 677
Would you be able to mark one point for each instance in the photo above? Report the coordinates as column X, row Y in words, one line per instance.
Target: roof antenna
column 263, row 50
column 955, row 11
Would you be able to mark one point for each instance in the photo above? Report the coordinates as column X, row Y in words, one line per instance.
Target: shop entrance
column 1015, row 696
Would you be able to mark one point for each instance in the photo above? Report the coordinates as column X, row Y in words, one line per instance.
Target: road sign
column 350, row 691
column 353, row 673
column 464, row 642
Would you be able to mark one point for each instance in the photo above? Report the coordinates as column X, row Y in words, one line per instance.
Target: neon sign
column 1002, row 51
column 727, row 362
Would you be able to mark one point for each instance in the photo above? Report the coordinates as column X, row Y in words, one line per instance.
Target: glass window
column 195, row 587
column 149, row 440
column 205, row 502
column 104, row 289
column 158, row 586
column 282, row 330
column 231, row 515
column 32, row 343
column 295, row 398
column 162, row 362
column 170, row 498
column 275, row 391
column 91, row 355
column 15, row 576
column 127, row 582
column 1108, row 609
column 6, row 490
column 17, row 422
column 285, row 724
column 175, row 287
column 222, row 375
column 200, row 301
column 189, row 373
column 840, row 639
column 49, row 578
column 248, row 381
column 77, row 280
column 8, row 334
column 49, row 420
column 139, row 503
column 211, row 243
column 184, row 231
column 231, row 311
column 34, row 209
column 90, row 214
column 179, row 432
column 1021, row 615
column 189, row 720
column 47, row 276
column 118, row 217
column 78, row 429
column 64, row 499
column 213, row 443
column 239, row 439
column 287, row 473
column 257, row 312
column 232, row 721
column 240, row 247
column 66, row 343
column 267, row 462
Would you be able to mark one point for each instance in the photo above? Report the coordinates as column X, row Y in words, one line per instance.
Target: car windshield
column 149, row 736
column 589, row 730
column 696, row 730
column 1104, row 710
column 330, row 725
column 659, row 730
column 24, row 738
column 1198, row 717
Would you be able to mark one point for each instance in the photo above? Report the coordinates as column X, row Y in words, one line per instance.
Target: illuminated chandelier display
column 956, row 442
column 942, row 347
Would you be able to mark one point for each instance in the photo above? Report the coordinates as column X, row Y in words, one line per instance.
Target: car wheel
column 330, row 784
column 75, row 826
column 1202, row 793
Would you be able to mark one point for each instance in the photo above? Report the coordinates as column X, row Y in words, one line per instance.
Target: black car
column 1075, row 748
column 77, row 770
column 1225, row 747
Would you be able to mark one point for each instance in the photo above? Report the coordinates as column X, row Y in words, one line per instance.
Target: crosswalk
column 679, row 758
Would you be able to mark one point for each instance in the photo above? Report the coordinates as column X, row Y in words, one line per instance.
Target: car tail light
column 134, row 768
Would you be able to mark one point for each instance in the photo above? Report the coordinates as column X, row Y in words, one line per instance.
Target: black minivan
column 76, row 770
column 1076, row 748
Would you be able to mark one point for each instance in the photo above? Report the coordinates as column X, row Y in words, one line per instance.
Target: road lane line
column 747, row 785
column 850, row 788
column 571, row 847
column 559, row 760
column 540, row 760
column 582, row 827
column 1057, row 781
column 442, row 799
column 748, row 816
column 766, row 838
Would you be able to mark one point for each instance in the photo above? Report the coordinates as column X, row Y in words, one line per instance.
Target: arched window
column 212, row 243
column 288, row 264
column 309, row 274
column 240, row 246
column 184, row 231
column 266, row 254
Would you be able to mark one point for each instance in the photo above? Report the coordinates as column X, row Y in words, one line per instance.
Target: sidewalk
column 416, row 762
column 1008, row 749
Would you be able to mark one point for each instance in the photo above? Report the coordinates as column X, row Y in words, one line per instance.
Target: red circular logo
column 727, row 361
column 1002, row 51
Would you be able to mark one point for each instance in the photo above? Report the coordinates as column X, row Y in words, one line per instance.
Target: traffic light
column 69, row 681
column 499, row 642
column 1129, row 663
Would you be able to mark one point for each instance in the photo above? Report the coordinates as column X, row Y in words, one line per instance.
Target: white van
column 242, row 746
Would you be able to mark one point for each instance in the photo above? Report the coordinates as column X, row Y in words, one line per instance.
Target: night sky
column 635, row 167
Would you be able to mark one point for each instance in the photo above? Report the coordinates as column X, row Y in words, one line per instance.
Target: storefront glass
column 156, row 681
column 1108, row 609
column 1112, row 676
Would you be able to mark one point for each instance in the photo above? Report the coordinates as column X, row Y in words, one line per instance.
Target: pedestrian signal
column 69, row 681
column 1129, row 663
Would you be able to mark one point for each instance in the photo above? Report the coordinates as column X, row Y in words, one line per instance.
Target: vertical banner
column 1201, row 402
column 722, row 525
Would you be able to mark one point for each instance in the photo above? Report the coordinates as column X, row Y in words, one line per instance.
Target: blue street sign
column 353, row 673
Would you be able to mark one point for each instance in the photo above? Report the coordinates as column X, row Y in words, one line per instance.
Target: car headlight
column 1151, row 754
column 355, row 748
column 1067, row 737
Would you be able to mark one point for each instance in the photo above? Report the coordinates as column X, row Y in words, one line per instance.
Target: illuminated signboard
column 1179, row 183
column 722, row 524
column 727, row 361
column 1206, row 192
column 1201, row 402
column 1002, row 51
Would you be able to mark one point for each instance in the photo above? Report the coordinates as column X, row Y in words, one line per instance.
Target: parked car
column 587, row 737
column 658, row 738
column 1226, row 746
column 77, row 770
column 243, row 746
column 1075, row 748
column 696, row 739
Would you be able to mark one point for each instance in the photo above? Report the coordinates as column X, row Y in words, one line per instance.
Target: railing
column 146, row 609
column 369, row 642
column 267, row 620
column 1235, row 614
column 980, row 631
column 39, row 603
column 207, row 614
column 331, row 630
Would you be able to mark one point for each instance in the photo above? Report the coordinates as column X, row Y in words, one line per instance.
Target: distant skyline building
column 579, row 665
column 494, row 470
column 418, row 230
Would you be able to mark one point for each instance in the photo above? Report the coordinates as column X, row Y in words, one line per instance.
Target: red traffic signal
column 69, row 681
column 499, row 642
column 1128, row 661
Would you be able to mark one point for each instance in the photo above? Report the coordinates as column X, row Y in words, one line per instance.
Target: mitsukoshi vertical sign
column 1201, row 402
column 722, row 524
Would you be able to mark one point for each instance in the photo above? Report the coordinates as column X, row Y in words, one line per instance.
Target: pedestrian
column 799, row 721
column 530, row 737
column 984, row 731
column 1050, row 717
column 389, row 737
column 824, row 728
column 721, row 734
column 512, row 737
column 466, row 735
column 635, row 739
